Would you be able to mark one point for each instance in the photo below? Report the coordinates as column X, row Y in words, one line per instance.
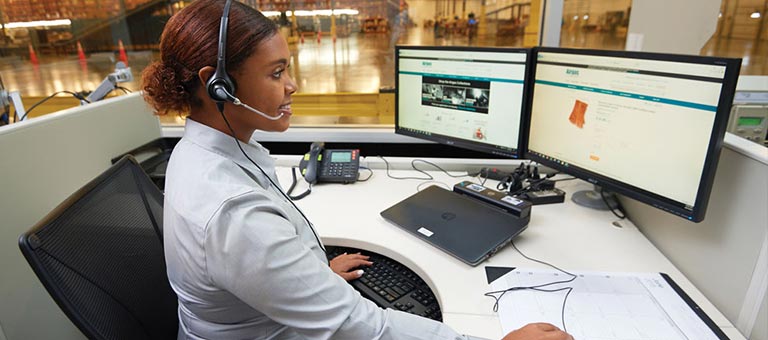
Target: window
column 343, row 56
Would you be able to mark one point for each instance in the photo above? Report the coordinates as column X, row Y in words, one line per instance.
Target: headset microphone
column 238, row 102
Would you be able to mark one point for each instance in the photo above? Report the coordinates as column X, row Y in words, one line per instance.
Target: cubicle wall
column 726, row 255
column 44, row 160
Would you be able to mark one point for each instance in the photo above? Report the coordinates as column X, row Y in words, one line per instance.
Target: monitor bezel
column 463, row 143
column 711, row 160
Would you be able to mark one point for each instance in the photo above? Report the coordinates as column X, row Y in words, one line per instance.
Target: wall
column 681, row 26
column 45, row 160
column 720, row 255
column 760, row 332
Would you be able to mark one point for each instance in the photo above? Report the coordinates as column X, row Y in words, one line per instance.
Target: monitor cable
column 413, row 164
column 427, row 177
column 621, row 214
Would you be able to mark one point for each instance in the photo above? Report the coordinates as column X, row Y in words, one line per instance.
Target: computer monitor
column 648, row 126
column 469, row 97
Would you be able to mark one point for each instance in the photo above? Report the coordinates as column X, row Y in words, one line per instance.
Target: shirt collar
column 218, row 142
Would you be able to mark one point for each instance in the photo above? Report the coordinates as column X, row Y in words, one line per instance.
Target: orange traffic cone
column 80, row 53
column 121, row 50
column 33, row 56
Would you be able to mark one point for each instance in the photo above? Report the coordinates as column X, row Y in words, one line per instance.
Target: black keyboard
column 390, row 284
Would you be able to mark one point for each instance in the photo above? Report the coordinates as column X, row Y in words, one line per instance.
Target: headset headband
column 220, row 86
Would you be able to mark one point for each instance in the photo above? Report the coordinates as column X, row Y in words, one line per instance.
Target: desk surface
column 566, row 235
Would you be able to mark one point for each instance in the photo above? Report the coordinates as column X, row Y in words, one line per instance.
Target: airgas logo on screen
column 571, row 72
column 426, row 63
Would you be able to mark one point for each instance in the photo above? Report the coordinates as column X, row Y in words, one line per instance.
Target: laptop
column 459, row 225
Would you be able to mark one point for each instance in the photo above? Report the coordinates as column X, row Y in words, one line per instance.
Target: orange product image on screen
column 578, row 113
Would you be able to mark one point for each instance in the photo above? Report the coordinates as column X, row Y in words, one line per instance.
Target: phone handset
column 311, row 158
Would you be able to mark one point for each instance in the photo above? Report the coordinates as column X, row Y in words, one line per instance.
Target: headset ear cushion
column 215, row 86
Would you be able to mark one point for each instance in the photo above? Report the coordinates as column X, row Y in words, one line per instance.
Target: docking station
column 515, row 206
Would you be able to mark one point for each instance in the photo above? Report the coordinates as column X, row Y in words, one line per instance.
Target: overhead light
column 323, row 12
column 755, row 15
column 41, row 23
column 586, row 17
column 576, row 17
column 346, row 11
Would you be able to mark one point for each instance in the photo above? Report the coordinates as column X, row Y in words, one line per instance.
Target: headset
column 221, row 89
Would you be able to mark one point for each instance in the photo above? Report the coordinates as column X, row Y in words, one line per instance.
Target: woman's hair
column 190, row 42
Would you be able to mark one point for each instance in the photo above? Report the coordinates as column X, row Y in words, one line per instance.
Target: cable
column 623, row 214
column 413, row 164
column 78, row 96
column 540, row 261
column 429, row 177
column 418, row 187
column 485, row 178
column 367, row 178
column 293, row 186
column 125, row 90
column 540, row 288
column 237, row 141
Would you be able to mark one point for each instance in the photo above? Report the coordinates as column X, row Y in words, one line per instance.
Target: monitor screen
column 469, row 97
column 649, row 126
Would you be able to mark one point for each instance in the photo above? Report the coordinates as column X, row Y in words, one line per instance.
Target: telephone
column 330, row 165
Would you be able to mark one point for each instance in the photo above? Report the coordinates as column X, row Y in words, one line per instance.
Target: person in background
column 243, row 260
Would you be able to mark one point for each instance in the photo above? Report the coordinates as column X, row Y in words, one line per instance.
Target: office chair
column 100, row 256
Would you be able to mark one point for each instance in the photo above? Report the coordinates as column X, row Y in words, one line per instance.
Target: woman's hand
column 344, row 263
column 538, row 331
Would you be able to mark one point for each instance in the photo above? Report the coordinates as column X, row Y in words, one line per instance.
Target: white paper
column 601, row 306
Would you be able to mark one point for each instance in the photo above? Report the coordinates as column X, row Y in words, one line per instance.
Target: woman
column 243, row 260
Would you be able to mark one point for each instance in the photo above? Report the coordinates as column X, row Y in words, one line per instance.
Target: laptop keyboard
column 390, row 284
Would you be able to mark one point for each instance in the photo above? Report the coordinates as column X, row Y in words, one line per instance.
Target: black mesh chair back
column 100, row 256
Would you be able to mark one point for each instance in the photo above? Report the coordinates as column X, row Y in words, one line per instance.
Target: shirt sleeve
column 254, row 252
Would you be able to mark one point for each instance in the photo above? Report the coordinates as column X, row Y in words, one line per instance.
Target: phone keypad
column 339, row 170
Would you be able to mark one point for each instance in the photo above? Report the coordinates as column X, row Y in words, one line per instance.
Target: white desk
column 566, row 235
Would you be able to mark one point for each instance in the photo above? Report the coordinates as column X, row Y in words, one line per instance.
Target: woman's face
column 264, row 84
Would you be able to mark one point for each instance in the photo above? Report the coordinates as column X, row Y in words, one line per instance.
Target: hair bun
column 165, row 90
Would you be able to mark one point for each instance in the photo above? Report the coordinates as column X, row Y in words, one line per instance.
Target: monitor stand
column 591, row 199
